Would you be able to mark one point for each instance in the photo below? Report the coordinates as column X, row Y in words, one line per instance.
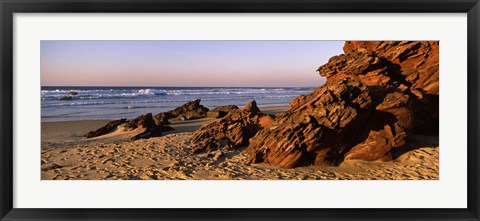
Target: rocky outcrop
column 147, row 123
column 232, row 131
column 110, row 127
column 317, row 131
column 221, row 111
column 189, row 111
column 153, row 126
column 375, row 95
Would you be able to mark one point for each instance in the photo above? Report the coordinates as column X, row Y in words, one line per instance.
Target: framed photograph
column 263, row 110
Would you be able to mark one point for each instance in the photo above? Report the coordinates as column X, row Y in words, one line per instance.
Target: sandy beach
column 66, row 154
column 371, row 112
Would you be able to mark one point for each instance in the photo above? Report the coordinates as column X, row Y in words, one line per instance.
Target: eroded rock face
column 232, row 131
column 375, row 95
column 110, row 127
column 418, row 64
column 191, row 110
column 387, row 128
column 318, row 130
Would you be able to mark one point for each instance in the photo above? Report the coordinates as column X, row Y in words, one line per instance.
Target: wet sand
column 67, row 155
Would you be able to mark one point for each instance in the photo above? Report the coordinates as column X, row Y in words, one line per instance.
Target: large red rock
column 318, row 130
column 375, row 95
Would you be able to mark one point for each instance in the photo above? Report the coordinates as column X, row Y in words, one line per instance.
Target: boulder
column 231, row 132
column 190, row 110
column 108, row 128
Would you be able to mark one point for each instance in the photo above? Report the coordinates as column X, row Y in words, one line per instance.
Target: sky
column 185, row 63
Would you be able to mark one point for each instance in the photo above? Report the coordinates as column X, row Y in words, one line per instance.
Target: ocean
column 107, row 103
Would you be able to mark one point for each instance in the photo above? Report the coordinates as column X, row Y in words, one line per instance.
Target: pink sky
column 185, row 63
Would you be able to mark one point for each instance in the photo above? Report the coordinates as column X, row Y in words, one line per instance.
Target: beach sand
column 67, row 155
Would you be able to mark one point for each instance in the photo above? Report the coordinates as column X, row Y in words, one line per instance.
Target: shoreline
column 269, row 109
column 64, row 133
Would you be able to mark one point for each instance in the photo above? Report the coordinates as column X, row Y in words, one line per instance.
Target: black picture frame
column 9, row 7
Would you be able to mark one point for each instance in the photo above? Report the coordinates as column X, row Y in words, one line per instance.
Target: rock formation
column 317, row 131
column 143, row 122
column 191, row 110
column 232, row 131
column 110, row 127
column 375, row 95
column 150, row 128
column 153, row 126
column 418, row 66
